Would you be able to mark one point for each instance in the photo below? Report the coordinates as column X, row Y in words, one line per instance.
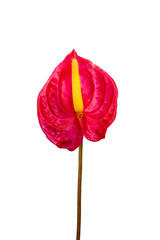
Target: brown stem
column 79, row 192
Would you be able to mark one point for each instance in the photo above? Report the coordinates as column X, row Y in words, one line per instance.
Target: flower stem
column 79, row 192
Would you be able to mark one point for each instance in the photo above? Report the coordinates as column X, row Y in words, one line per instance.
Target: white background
column 121, row 174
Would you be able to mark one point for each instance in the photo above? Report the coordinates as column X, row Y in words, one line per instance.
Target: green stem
column 79, row 192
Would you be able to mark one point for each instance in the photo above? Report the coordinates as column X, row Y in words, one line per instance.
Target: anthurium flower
column 79, row 99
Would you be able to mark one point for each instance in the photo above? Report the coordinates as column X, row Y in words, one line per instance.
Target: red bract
column 58, row 119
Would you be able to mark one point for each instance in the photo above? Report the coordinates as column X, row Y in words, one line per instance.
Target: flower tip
column 73, row 53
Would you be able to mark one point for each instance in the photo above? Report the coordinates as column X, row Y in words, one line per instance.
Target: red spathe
column 56, row 113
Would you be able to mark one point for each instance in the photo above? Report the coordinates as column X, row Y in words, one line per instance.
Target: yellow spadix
column 76, row 88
